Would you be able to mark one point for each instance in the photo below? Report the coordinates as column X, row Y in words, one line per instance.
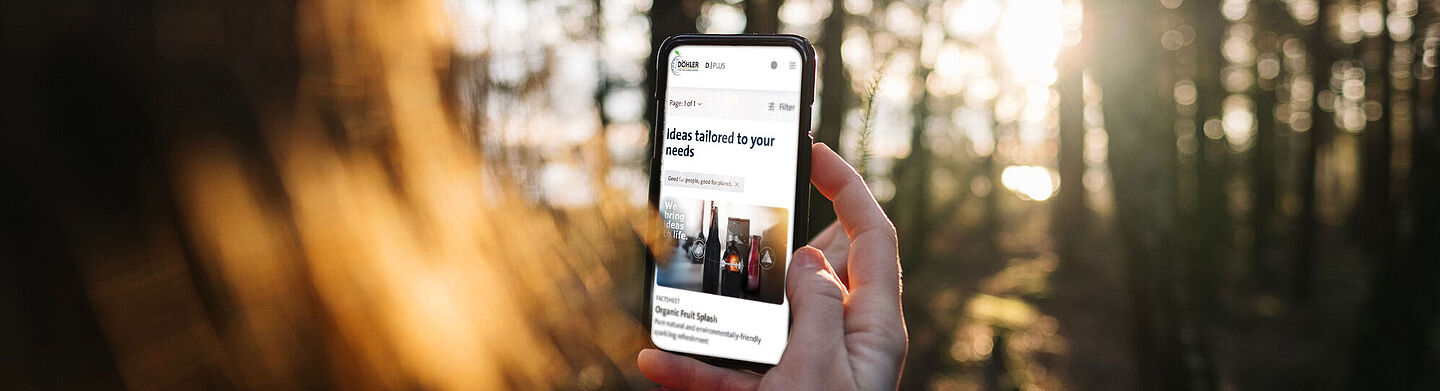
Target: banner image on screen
column 732, row 250
column 727, row 178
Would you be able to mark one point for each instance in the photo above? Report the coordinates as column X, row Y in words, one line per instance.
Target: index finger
column 872, row 267
column 854, row 205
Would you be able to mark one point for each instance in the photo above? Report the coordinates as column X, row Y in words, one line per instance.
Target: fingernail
column 809, row 258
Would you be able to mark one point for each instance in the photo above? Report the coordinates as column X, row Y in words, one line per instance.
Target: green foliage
column 862, row 146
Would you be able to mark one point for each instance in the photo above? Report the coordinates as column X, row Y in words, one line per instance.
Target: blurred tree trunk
column 1143, row 164
column 1263, row 156
column 1375, row 215
column 911, row 206
column 602, row 82
column 667, row 17
column 762, row 16
column 1070, row 219
column 1206, row 214
column 469, row 80
column 1399, row 342
column 1262, row 183
column 1320, row 52
column 989, row 227
column 834, row 102
column 911, row 203
column 1423, row 261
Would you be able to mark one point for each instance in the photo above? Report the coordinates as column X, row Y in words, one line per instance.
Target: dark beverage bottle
column 697, row 248
column 732, row 275
column 752, row 266
column 711, row 277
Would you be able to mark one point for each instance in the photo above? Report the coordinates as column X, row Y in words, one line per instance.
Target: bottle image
column 752, row 266
column 710, row 282
column 737, row 246
column 732, row 272
column 697, row 246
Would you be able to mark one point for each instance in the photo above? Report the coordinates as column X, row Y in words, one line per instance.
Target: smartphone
column 730, row 176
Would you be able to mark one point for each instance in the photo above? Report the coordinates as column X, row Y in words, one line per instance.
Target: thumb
column 816, row 302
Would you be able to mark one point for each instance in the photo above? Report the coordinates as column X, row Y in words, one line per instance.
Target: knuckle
column 826, row 287
column 853, row 184
column 819, row 286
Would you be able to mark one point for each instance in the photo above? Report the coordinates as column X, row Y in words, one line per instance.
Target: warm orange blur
column 397, row 258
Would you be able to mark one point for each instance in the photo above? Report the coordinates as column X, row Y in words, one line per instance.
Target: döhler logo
column 678, row 64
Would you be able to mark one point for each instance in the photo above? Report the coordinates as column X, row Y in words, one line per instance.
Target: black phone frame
column 800, row 233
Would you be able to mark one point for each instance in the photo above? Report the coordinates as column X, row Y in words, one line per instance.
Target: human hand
column 848, row 331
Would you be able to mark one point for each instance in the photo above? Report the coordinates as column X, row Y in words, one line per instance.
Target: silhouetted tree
column 762, row 16
column 1268, row 15
column 1143, row 165
column 834, row 101
column 1071, row 216
column 1398, row 347
column 1375, row 215
column 913, row 222
column 667, row 17
column 1205, row 211
column 1318, row 47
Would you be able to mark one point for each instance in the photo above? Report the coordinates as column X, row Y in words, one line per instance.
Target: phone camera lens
column 773, row 65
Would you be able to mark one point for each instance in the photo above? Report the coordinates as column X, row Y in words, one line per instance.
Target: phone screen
column 727, row 189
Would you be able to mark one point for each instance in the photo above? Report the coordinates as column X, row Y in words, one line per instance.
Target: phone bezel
column 801, row 233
